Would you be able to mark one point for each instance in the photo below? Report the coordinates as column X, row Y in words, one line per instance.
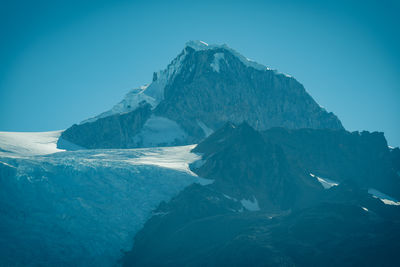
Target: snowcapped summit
column 196, row 45
column 200, row 45
column 202, row 88
column 153, row 93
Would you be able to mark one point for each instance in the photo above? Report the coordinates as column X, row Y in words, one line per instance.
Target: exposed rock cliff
column 204, row 87
column 265, row 209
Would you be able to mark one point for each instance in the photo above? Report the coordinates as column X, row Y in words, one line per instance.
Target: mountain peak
column 204, row 87
column 196, row 44
column 201, row 45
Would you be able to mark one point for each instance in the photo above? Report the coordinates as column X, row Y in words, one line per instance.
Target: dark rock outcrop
column 116, row 131
column 297, row 223
column 363, row 158
column 237, row 93
column 245, row 166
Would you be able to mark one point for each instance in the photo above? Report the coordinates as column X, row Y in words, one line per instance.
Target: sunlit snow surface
column 129, row 103
column 159, row 130
column 325, row 182
column 388, row 200
column 82, row 208
column 21, row 144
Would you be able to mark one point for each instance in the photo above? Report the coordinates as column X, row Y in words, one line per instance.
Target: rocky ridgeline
column 266, row 208
column 201, row 90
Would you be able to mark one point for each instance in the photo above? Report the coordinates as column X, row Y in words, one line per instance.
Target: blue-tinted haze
column 65, row 61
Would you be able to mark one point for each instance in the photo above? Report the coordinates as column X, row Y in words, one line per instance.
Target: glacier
column 20, row 144
column 83, row 208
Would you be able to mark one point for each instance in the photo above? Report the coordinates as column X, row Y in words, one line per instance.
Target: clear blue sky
column 65, row 61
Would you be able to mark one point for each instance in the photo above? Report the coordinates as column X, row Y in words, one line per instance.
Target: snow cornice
column 200, row 45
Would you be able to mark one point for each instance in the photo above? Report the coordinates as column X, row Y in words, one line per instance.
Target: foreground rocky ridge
column 203, row 88
column 265, row 209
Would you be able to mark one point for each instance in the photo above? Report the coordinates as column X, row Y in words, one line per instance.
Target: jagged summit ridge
column 204, row 87
column 153, row 93
column 200, row 45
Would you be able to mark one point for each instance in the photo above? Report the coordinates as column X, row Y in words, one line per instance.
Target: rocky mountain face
column 111, row 131
column 204, row 87
column 266, row 208
column 246, row 166
column 363, row 158
column 274, row 180
column 214, row 86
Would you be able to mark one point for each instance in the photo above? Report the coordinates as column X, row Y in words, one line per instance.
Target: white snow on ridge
column 200, row 45
column 20, row 144
column 129, row 103
column 152, row 93
column 156, row 88
column 388, row 200
column 325, row 182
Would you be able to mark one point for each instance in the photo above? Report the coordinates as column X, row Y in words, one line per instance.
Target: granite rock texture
column 201, row 90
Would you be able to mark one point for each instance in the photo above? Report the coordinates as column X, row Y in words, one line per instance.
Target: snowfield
column 80, row 208
column 20, row 144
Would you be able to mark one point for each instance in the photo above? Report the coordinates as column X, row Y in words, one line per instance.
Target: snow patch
column 24, row 144
column 388, row 200
column 251, row 205
column 325, row 182
column 160, row 131
column 176, row 158
column 200, row 45
column 364, row 208
column 217, row 58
